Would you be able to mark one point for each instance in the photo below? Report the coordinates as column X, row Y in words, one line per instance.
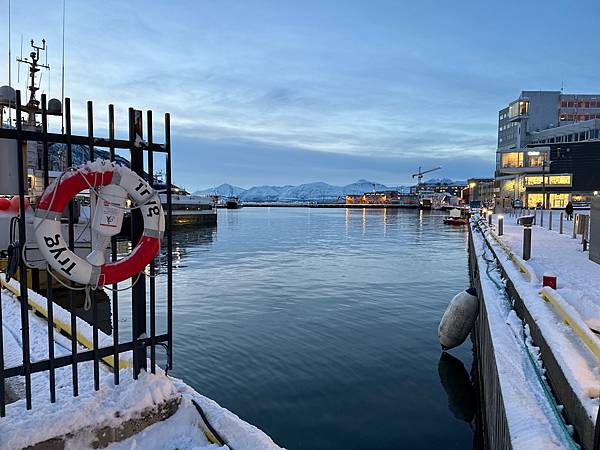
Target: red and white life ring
column 54, row 201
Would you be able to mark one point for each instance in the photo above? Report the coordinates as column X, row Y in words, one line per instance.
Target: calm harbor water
column 319, row 325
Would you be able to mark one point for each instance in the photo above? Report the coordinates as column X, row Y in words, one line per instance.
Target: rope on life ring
column 115, row 183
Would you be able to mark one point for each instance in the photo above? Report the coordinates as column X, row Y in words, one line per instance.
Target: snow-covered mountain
column 224, row 190
column 314, row 192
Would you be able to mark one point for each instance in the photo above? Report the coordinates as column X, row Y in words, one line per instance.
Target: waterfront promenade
column 558, row 324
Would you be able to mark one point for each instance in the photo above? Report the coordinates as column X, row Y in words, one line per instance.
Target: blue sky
column 285, row 92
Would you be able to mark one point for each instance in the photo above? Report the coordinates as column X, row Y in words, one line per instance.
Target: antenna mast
column 35, row 66
column 62, row 81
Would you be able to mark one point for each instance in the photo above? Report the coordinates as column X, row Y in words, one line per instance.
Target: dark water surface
column 319, row 325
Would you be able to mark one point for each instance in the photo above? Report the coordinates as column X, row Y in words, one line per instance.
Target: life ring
column 99, row 174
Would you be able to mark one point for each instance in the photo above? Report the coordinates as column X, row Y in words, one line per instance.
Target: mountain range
column 316, row 192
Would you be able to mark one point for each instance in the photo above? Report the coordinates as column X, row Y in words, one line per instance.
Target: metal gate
column 141, row 154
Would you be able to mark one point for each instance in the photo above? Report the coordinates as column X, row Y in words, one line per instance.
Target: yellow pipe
column 66, row 327
column 514, row 258
column 591, row 341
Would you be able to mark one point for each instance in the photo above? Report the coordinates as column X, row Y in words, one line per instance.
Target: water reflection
column 462, row 397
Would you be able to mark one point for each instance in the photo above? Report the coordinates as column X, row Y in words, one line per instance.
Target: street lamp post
column 544, row 183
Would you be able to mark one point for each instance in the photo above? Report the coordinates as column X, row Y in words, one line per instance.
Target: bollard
column 574, row 222
column 500, row 224
column 526, row 222
column 490, row 214
column 541, row 217
column 526, row 243
column 583, row 229
column 550, row 220
column 562, row 216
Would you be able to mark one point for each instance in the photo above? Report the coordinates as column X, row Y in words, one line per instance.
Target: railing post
column 138, row 292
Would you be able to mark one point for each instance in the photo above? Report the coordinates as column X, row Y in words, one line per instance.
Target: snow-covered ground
column 532, row 419
column 95, row 409
column 578, row 278
column 578, row 285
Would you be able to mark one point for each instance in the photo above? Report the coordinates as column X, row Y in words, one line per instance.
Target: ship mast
column 33, row 104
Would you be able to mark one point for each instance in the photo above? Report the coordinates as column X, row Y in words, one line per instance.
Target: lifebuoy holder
column 55, row 200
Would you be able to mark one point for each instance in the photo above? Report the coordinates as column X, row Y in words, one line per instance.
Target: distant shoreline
column 324, row 205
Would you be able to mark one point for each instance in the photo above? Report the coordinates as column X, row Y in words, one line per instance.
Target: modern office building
column 537, row 119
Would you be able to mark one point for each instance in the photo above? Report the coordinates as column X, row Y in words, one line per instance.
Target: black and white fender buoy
column 113, row 182
column 458, row 320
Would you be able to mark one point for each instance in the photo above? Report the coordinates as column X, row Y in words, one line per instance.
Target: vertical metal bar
column 113, row 252
column 138, row 292
column 90, row 117
column 169, row 242
column 49, row 294
column 562, row 218
column 74, row 373
column 2, row 394
column 152, row 266
column 22, row 269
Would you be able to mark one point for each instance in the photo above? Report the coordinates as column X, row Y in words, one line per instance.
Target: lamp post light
column 500, row 224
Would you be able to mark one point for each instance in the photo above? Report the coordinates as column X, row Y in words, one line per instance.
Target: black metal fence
column 140, row 151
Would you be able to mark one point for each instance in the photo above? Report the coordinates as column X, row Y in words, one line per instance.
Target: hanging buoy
column 458, row 320
column 114, row 183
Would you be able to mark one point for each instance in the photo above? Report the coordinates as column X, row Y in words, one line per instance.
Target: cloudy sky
column 286, row 92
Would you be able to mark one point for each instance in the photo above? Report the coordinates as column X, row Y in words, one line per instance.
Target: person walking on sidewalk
column 569, row 211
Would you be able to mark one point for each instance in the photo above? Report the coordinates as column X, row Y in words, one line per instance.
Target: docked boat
column 188, row 209
column 233, row 203
column 456, row 217
column 426, row 200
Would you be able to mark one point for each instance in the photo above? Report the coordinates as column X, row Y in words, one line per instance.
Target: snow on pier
column 561, row 320
column 76, row 420
column 529, row 416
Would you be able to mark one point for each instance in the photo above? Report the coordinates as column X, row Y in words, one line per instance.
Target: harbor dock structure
column 538, row 351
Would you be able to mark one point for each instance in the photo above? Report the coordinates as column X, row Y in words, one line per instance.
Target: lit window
column 552, row 180
column 513, row 159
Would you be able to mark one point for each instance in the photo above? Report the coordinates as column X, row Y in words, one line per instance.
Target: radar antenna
column 33, row 104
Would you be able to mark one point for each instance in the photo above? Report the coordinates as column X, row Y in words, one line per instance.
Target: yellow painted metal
column 66, row 328
column 514, row 258
column 589, row 339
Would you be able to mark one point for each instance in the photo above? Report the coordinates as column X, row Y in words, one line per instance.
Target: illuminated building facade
column 543, row 118
column 571, row 174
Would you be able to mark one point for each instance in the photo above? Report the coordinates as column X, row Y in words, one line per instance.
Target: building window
column 558, row 200
column 534, row 200
column 551, row 180
column 535, row 158
column 513, row 159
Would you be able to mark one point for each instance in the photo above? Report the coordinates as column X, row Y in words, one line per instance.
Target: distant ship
column 233, row 203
